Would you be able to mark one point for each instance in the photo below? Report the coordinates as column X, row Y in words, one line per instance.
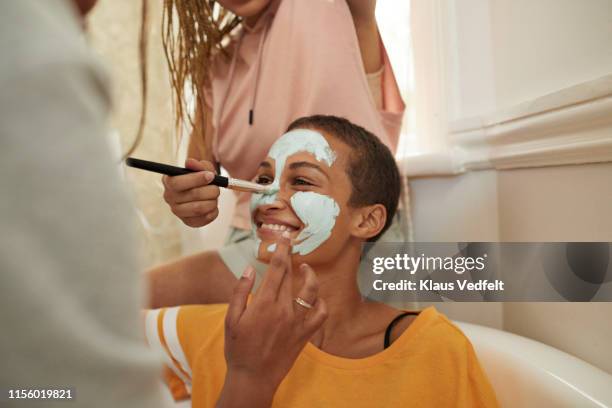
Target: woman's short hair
column 372, row 168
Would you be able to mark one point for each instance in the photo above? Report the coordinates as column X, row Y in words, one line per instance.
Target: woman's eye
column 263, row 180
column 298, row 181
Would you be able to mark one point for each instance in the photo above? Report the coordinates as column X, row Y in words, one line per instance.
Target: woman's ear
column 369, row 221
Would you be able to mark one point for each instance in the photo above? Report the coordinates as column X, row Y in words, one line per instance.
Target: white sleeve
column 71, row 286
column 166, row 333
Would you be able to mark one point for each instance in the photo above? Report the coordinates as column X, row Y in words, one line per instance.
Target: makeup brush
column 221, row 181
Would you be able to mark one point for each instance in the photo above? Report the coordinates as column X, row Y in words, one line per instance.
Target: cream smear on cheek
column 317, row 212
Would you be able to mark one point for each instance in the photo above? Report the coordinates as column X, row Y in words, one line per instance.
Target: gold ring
column 303, row 303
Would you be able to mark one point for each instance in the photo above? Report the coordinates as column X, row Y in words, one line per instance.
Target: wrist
column 246, row 389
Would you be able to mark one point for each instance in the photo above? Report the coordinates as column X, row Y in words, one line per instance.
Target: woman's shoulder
column 195, row 320
column 434, row 331
column 425, row 333
column 201, row 327
column 210, row 314
column 395, row 321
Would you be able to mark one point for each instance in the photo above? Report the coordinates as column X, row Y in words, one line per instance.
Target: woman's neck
column 251, row 21
column 339, row 289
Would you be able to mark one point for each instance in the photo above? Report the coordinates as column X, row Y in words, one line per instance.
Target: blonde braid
column 193, row 31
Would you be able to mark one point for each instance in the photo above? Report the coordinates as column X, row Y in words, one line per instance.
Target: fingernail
column 208, row 176
column 286, row 235
column 303, row 267
column 248, row 272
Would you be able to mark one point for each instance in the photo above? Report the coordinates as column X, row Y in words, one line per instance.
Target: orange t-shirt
column 432, row 364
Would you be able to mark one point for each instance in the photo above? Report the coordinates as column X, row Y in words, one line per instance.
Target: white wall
column 541, row 46
column 566, row 203
column 471, row 69
column 558, row 203
column 458, row 208
column 451, row 209
column 502, row 53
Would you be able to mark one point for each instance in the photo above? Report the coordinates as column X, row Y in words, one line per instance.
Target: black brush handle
column 170, row 170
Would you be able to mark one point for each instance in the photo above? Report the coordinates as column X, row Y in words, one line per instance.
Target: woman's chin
column 265, row 253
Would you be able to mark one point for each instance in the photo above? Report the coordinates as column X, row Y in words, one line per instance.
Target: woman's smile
column 271, row 228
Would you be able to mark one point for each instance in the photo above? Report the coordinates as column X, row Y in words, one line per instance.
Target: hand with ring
column 264, row 337
column 303, row 303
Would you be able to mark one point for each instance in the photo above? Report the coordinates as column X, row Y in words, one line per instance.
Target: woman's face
column 244, row 8
column 306, row 169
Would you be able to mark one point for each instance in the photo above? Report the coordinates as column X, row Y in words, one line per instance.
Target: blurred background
column 113, row 29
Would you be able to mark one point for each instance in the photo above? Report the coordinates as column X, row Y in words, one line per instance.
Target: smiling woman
column 295, row 340
column 326, row 179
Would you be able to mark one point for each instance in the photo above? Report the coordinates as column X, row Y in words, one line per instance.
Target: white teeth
column 277, row 227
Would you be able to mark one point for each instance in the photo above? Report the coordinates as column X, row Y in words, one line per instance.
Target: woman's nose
column 280, row 202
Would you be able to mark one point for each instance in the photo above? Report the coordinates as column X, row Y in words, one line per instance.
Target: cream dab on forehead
column 295, row 141
column 317, row 212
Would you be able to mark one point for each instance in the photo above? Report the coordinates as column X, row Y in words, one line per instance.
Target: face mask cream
column 317, row 212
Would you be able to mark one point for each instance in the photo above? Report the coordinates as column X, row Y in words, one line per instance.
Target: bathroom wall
column 566, row 203
column 452, row 209
column 504, row 54
column 545, row 45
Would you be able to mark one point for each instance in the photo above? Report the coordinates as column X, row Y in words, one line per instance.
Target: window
column 393, row 19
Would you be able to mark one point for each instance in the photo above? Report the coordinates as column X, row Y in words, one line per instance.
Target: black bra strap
column 393, row 323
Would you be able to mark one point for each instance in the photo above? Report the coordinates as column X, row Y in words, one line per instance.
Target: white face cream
column 317, row 212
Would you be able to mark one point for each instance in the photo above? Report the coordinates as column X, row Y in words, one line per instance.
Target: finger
column 196, row 194
column 238, row 301
column 308, row 292
column 196, row 222
column 286, row 290
column 315, row 319
column 199, row 165
column 189, row 181
column 277, row 270
column 194, row 209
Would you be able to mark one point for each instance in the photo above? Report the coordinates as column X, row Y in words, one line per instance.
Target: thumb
column 202, row 165
column 237, row 303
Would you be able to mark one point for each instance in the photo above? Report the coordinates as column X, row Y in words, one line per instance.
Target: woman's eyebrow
column 265, row 164
column 297, row 165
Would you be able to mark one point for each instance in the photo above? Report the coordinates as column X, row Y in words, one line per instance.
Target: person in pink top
column 258, row 67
